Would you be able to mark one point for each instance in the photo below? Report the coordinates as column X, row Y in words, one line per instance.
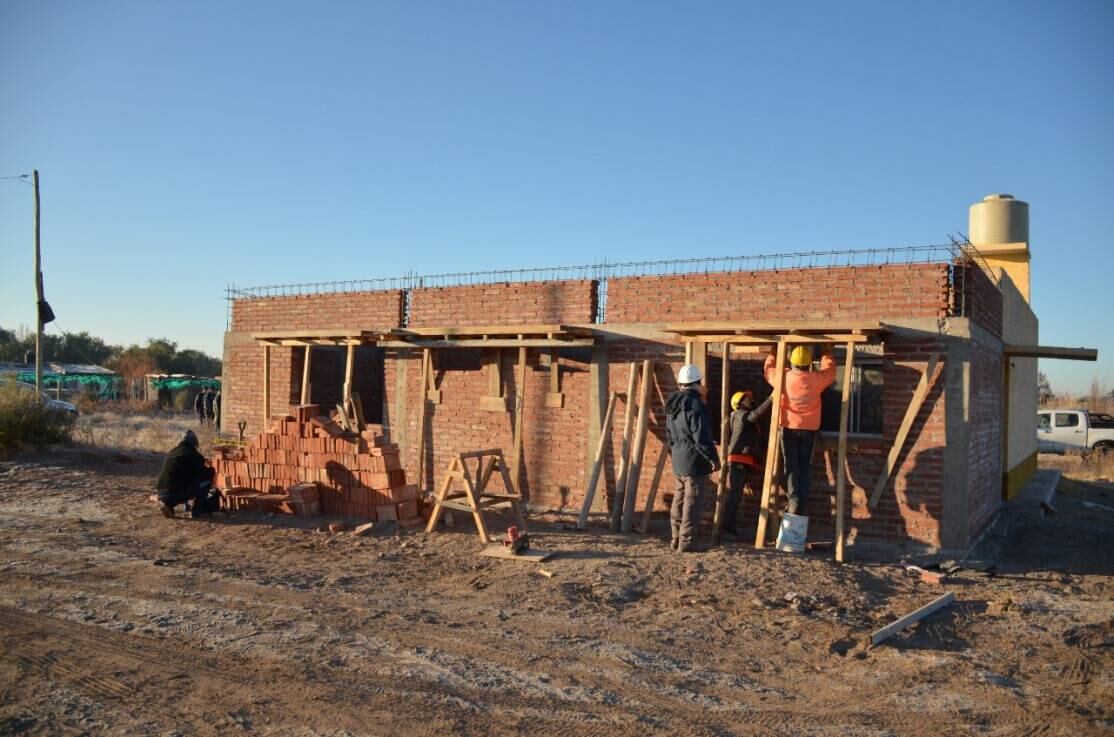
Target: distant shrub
column 26, row 420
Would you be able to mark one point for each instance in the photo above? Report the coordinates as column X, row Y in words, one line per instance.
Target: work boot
column 167, row 510
column 673, row 544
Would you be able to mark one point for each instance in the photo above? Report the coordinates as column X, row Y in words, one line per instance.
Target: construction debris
column 893, row 628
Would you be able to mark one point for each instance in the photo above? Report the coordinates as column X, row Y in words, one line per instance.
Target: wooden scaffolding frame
column 780, row 336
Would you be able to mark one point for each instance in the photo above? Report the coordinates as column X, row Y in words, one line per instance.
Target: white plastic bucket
column 793, row 533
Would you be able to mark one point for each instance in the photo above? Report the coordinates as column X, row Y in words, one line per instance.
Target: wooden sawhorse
column 474, row 497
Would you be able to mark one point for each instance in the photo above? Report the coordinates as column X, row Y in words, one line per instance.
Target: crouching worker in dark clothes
column 185, row 478
column 742, row 452
column 688, row 432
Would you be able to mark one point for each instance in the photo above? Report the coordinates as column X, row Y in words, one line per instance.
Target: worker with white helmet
column 688, row 432
column 800, row 417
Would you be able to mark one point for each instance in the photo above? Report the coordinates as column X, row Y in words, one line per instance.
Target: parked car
column 48, row 400
column 1061, row 430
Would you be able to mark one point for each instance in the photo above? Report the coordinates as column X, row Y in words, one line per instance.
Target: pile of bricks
column 307, row 464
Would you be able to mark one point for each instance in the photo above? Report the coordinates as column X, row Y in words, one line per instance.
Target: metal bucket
column 793, row 533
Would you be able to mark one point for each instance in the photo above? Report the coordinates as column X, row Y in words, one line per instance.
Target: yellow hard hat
column 801, row 356
column 737, row 398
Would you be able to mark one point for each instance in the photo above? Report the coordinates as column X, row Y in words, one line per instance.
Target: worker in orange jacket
column 800, row 416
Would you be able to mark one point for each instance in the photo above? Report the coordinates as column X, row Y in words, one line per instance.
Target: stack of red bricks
column 307, row 462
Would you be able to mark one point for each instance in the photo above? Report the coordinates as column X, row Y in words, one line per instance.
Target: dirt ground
column 114, row 620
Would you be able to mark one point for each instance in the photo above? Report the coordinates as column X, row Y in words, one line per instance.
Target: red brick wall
column 984, row 481
column 523, row 303
column 983, row 300
column 355, row 310
column 242, row 391
column 859, row 292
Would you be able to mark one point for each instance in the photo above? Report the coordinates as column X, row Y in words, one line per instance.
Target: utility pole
column 38, row 296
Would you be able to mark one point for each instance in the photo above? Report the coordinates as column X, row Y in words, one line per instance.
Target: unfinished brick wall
column 555, row 441
column 855, row 292
column 983, row 300
column 523, row 303
column 984, row 482
column 242, row 391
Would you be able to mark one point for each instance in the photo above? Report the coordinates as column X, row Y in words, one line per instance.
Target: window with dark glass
column 866, row 399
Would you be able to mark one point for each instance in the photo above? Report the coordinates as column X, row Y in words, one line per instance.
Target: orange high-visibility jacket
column 800, row 393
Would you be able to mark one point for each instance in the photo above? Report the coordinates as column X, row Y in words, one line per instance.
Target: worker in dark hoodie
column 743, row 452
column 185, row 478
column 688, row 432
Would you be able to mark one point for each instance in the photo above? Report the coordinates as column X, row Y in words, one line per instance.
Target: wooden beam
column 906, row 424
column 519, row 411
column 501, row 330
column 349, row 364
column 489, row 343
column 891, row 629
column 597, row 466
column 305, row 375
column 624, row 452
column 1051, row 351
column 841, row 455
column 797, row 327
column 724, row 430
column 266, row 386
column 659, row 469
column 773, row 448
column 634, row 475
column 333, row 333
column 427, row 359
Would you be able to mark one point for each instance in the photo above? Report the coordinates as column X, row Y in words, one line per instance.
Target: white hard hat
column 689, row 374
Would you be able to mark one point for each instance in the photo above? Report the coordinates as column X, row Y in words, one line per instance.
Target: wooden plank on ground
column 773, row 448
column 597, row 465
column 906, row 424
column 841, row 455
column 498, row 550
column 893, row 628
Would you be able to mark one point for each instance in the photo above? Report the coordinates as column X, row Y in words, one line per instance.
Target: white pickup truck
column 1063, row 430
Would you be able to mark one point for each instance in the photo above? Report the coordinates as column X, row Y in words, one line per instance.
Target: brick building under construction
column 943, row 340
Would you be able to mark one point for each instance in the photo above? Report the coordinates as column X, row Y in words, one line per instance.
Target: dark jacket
column 688, row 432
column 745, row 432
column 199, row 402
column 209, row 396
column 183, row 469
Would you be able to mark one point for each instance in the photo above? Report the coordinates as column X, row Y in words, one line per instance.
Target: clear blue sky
column 184, row 145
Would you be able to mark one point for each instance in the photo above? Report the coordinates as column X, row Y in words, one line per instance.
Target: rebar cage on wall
column 958, row 253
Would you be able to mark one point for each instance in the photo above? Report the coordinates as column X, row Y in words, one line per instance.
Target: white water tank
column 999, row 218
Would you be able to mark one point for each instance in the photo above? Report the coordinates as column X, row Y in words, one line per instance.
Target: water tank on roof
column 999, row 218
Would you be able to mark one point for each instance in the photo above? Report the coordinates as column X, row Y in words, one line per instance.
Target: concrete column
column 954, row 516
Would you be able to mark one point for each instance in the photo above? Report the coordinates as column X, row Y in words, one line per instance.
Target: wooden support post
column 305, row 375
column 659, row 469
column 624, row 452
column 773, row 447
column 906, row 424
column 597, row 466
column 519, row 411
column 266, row 386
column 638, row 449
column 349, row 364
column 724, row 431
column 700, row 360
column 688, row 351
column 841, row 455
column 427, row 359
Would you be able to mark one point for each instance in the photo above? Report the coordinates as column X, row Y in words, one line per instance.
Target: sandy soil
column 114, row 620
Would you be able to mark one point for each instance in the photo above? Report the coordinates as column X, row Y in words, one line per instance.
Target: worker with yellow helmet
column 800, row 417
column 743, row 452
